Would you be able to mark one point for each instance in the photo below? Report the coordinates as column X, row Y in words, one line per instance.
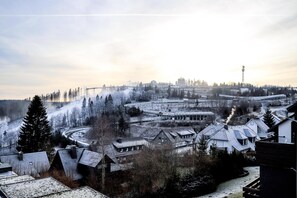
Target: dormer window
column 252, row 139
column 243, row 141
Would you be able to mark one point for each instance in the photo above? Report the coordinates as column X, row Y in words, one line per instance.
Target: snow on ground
column 78, row 135
column 235, row 186
column 63, row 110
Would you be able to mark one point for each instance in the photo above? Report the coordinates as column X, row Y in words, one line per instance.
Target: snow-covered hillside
column 70, row 115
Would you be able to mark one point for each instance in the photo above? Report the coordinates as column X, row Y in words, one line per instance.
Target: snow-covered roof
column 258, row 98
column 70, row 164
column 150, row 133
column 79, row 192
column 32, row 163
column 211, row 129
column 174, row 135
column 90, row 158
column 262, row 127
column 220, row 135
column 185, row 132
column 33, row 188
column 228, row 136
column 248, row 133
column 186, row 113
column 129, row 142
column 168, row 135
column 17, row 179
column 239, row 135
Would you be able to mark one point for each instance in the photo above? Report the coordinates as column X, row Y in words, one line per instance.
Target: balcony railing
column 252, row 190
column 269, row 152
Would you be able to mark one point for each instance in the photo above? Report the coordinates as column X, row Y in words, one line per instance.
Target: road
column 234, row 186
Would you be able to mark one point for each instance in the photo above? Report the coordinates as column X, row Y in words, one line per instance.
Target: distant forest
column 14, row 109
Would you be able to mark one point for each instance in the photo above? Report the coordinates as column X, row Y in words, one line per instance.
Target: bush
column 133, row 112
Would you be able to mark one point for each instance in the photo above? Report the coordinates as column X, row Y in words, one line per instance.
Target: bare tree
column 102, row 133
column 151, row 170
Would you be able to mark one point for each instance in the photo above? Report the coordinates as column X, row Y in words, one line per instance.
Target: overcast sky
column 51, row 45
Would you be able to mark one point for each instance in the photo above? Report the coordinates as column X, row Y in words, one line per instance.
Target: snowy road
column 234, row 186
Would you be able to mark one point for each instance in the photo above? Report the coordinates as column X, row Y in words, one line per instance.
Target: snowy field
column 234, row 186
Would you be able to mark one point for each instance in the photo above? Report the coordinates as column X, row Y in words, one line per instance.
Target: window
column 252, row 139
column 243, row 141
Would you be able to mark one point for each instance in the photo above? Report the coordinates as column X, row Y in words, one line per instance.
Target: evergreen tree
column 268, row 118
column 123, row 125
column 35, row 132
column 202, row 144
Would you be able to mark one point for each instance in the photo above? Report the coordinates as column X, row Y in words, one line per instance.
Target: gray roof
column 90, row 158
column 33, row 188
column 70, row 164
column 150, row 133
column 185, row 132
column 249, row 134
column 79, row 192
column 168, row 135
column 220, row 135
column 32, row 163
column 239, row 135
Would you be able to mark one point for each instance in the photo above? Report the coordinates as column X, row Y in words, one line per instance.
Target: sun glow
column 202, row 47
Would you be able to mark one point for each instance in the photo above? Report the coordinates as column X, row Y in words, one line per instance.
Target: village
column 105, row 138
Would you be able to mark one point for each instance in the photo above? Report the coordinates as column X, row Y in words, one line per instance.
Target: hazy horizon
column 51, row 45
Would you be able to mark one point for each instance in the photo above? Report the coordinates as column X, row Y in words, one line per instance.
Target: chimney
column 226, row 127
column 21, row 156
column 73, row 152
column 119, row 140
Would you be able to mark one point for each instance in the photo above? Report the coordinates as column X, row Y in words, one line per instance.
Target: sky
column 54, row 45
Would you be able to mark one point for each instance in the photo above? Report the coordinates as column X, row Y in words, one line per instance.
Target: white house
column 240, row 138
column 286, row 130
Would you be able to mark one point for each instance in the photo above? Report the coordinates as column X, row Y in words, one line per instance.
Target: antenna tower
column 243, row 69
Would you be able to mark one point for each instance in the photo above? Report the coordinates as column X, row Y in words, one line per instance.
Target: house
column 12, row 185
column 91, row 162
column 77, row 163
column 229, row 138
column 240, row 138
column 256, row 124
column 66, row 160
column 125, row 149
column 28, row 163
column 285, row 131
column 277, row 159
column 175, row 138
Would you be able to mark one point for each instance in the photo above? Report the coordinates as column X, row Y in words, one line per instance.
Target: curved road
column 234, row 186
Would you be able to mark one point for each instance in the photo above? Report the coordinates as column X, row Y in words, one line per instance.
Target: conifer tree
column 35, row 132
column 268, row 118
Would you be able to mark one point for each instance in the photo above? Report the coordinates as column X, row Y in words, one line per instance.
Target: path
column 234, row 186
